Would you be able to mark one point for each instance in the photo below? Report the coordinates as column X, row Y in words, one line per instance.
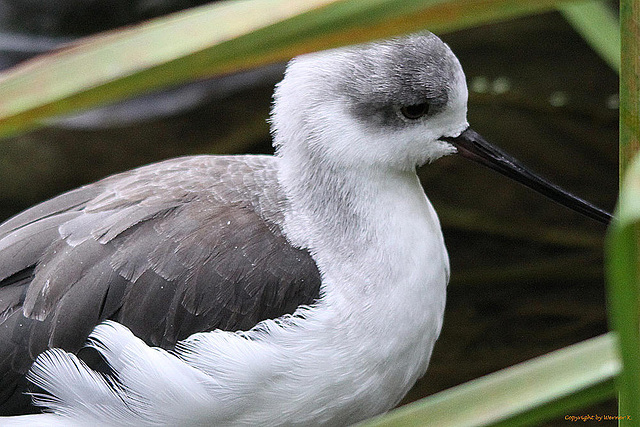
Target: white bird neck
column 378, row 245
column 356, row 218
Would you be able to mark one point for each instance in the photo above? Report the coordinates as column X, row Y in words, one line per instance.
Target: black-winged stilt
column 321, row 271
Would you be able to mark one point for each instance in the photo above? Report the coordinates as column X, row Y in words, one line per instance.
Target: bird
column 303, row 288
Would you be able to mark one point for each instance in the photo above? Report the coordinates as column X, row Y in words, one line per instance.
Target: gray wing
column 170, row 249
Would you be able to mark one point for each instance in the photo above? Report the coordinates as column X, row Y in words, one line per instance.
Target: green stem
column 622, row 244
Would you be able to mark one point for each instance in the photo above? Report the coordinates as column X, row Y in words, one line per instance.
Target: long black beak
column 472, row 145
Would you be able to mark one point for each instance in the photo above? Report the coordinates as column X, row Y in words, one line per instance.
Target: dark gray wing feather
column 69, row 201
column 170, row 249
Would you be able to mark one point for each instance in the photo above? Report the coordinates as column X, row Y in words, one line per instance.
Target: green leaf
column 598, row 25
column 623, row 268
column 215, row 39
column 526, row 394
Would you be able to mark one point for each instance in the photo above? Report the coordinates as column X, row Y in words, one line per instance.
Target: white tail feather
column 150, row 385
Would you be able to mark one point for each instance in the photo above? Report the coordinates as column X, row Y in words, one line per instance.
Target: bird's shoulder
column 218, row 179
column 169, row 249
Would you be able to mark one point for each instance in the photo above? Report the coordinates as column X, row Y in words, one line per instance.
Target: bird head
column 391, row 105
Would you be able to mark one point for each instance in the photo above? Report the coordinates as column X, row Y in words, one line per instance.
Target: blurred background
column 526, row 274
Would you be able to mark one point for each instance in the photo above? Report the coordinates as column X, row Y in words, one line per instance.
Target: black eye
column 413, row 112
